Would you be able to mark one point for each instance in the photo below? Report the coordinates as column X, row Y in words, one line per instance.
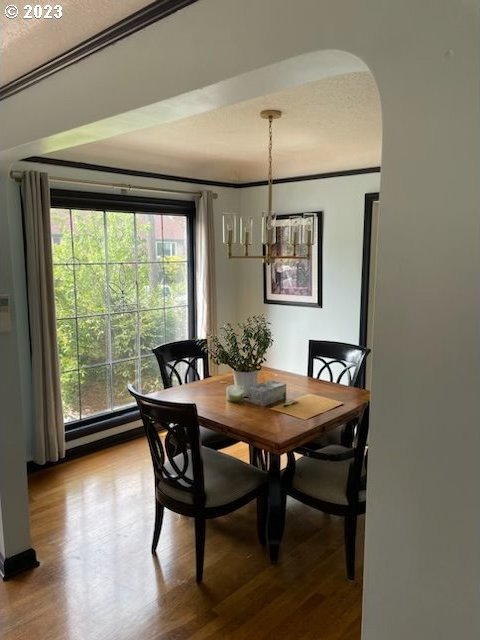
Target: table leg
column 276, row 507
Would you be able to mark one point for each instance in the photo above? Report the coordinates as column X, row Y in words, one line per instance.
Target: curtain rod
column 17, row 176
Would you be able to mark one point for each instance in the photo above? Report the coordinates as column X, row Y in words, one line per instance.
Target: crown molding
column 312, row 176
column 215, row 183
column 153, row 12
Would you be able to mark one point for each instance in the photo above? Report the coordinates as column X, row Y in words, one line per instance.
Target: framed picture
column 289, row 280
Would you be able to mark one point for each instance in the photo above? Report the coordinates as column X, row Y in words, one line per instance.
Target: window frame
column 70, row 199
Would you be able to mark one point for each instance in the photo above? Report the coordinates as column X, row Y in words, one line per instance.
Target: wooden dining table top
column 260, row 426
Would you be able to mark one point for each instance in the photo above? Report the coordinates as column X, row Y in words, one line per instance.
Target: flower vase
column 245, row 379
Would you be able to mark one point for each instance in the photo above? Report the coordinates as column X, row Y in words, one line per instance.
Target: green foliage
column 100, row 277
column 244, row 350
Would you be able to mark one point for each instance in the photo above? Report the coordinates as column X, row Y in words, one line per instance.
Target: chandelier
column 288, row 238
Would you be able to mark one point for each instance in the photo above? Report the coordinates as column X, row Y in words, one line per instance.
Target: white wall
column 342, row 201
column 423, row 523
column 14, row 381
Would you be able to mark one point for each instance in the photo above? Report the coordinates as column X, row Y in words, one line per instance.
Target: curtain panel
column 206, row 307
column 48, row 426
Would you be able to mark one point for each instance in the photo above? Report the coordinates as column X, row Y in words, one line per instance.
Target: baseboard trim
column 12, row 566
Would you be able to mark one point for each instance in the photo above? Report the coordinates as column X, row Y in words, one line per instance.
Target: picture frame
column 290, row 281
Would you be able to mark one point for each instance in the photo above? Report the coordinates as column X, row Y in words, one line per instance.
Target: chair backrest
column 336, row 361
column 176, row 458
column 357, row 474
column 181, row 362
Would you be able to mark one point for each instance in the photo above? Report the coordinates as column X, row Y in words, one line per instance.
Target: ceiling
column 43, row 39
column 329, row 125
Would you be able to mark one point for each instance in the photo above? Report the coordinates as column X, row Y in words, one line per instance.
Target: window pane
column 152, row 288
column 92, row 340
column 88, row 236
column 90, row 285
column 176, row 279
column 70, row 395
column 122, row 287
column 150, row 379
column 152, row 330
column 67, row 344
column 123, row 328
column 174, row 236
column 64, row 283
column 94, row 391
column 176, row 324
column 148, row 226
column 122, row 374
column 120, row 236
column 61, row 235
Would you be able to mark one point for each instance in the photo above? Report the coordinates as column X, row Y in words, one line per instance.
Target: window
column 165, row 248
column 116, row 296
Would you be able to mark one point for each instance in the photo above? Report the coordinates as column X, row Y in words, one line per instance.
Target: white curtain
column 205, row 268
column 49, row 433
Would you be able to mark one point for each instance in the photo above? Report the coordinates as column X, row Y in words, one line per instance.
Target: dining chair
column 338, row 362
column 333, row 480
column 191, row 479
column 183, row 362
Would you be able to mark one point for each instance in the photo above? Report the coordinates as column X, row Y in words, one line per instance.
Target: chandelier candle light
column 300, row 230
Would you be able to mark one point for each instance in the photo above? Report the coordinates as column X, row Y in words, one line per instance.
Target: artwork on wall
column 292, row 281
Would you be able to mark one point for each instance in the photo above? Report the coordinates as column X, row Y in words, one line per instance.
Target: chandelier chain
column 270, row 145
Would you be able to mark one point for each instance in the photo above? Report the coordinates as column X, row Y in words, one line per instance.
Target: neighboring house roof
column 173, row 228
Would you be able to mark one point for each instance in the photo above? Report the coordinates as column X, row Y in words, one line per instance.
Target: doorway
column 367, row 300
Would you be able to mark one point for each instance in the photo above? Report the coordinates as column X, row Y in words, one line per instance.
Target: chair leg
column 350, row 536
column 258, row 458
column 199, row 546
column 159, row 509
column 262, row 506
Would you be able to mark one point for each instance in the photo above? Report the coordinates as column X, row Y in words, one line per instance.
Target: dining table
column 268, row 430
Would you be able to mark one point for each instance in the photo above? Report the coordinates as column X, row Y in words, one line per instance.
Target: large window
column 119, row 292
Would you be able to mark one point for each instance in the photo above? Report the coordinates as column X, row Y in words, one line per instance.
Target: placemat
column 307, row 406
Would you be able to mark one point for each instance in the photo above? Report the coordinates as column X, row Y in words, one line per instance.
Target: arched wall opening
column 428, row 258
column 272, row 78
column 340, row 199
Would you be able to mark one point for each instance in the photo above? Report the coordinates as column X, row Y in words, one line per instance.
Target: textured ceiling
column 27, row 43
column 329, row 125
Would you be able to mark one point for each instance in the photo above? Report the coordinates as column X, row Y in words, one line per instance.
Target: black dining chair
column 338, row 362
column 333, row 480
column 193, row 480
column 183, row 362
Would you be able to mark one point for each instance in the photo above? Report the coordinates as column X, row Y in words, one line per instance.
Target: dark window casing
column 69, row 199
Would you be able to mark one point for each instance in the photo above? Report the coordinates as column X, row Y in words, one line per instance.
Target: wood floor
column 92, row 524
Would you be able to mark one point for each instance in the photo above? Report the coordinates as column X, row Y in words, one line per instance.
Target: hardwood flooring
column 92, row 525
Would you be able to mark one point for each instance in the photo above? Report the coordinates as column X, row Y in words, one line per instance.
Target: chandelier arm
column 268, row 258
